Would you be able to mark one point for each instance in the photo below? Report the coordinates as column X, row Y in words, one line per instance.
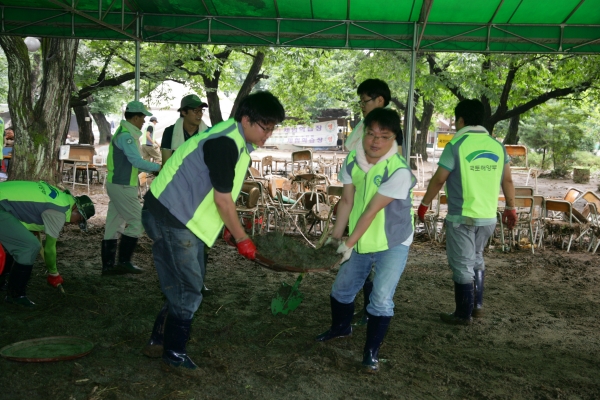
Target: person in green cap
column 27, row 207
column 189, row 123
column 124, row 209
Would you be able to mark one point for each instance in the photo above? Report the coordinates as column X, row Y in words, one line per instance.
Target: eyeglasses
column 363, row 103
column 267, row 130
column 374, row 138
column 198, row 111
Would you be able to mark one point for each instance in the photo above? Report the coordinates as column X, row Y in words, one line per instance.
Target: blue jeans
column 179, row 261
column 464, row 248
column 387, row 265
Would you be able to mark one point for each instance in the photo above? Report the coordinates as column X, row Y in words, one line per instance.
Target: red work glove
column 54, row 280
column 509, row 218
column 247, row 249
column 228, row 238
column 422, row 210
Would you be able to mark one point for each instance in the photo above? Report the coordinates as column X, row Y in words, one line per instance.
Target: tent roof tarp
column 511, row 26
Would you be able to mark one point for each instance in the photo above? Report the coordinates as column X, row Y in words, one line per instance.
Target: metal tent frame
column 494, row 26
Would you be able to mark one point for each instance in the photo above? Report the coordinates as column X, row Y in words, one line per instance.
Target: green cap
column 137, row 107
column 86, row 208
column 192, row 101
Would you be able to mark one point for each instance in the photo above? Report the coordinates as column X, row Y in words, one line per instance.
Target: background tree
column 555, row 129
column 40, row 124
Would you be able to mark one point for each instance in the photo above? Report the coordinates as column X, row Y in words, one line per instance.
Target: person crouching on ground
column 377, row 201
column 35, row 206
column 186, row 208
column 124, row 209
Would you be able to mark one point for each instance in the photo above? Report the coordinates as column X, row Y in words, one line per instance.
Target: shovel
column 287, row 298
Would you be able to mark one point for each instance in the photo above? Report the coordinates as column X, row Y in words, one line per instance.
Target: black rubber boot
column 17, row 285
column 376, row 330
column 8, row 263
column 478, row 295
column 154, row 347
column 364, row 316
column 109, row 254
column 175, row 358
column 341, row 317
column 463, row 297
column 126, row 249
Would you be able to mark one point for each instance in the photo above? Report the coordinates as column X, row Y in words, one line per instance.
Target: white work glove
column 345, row 251
column 333, row 242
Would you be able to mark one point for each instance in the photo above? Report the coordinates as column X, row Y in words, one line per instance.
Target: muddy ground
column 540, row 338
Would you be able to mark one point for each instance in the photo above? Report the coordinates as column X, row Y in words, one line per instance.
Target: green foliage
column 555, row 129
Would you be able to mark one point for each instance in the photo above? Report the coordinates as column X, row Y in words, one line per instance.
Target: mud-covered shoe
column 334, row 334
column 114, row 270
column 128, row 268
column 185, row 368
column 21, row 301
column 450, row 318
column 478, row 313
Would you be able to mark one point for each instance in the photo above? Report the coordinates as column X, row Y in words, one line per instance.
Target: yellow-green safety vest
column 183, row 185
column 393, row 224
column 28, row 200
column 474, row 184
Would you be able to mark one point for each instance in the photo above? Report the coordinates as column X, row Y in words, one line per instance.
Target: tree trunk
column 420, row 146
column 543, row 158
column 40, row 126
column 86, row 135
column 103, row 127
column 214, row 105
column 36, row 71
column 512, row 137
column 252, row 78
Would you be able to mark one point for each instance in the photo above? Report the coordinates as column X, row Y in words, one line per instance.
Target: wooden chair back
column 524, row 201
column 592, row 197
column 267, row 164
column 560, row 206
column 300, row 157
column 524, row 191
column 517, row 150
column 572, row 195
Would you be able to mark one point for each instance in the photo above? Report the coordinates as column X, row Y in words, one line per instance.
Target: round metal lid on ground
column 55, row 348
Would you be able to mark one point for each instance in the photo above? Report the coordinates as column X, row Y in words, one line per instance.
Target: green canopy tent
column 503, row 26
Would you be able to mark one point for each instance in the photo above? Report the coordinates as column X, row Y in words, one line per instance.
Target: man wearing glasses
column 185, row 210
column 377, row 203
column 373, row 93
column 189, row 123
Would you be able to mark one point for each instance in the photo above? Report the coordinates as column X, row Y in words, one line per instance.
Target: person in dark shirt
column 150, row 149
column 189, row 123
column 186, row 208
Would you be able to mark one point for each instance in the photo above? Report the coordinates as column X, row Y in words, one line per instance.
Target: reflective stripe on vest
column 26, row 200
column 392, row 225
column 120, row 170
column 474, row 184
column 184, row 187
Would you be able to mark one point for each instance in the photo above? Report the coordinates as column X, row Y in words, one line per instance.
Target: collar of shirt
column 471, row 129
column 129, row 127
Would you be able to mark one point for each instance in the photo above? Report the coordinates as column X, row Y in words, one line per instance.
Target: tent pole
column 410, row 109
column 137, row 59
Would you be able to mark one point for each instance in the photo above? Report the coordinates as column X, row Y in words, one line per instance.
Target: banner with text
column 321, row 134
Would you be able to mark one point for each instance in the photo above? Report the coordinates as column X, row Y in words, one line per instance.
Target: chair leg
column 570, row 241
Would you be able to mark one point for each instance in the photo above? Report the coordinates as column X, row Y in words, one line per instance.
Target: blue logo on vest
column 377, row 180
column 482, row 154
